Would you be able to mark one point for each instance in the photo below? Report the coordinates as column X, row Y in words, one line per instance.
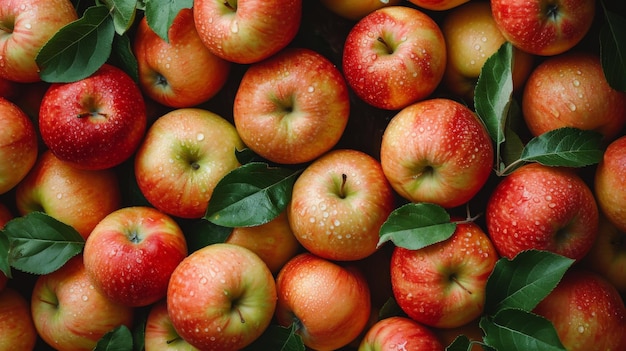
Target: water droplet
column 311, row 89
column 576, row 83
column 200, row 136
column 85, row 297
column 234, row 26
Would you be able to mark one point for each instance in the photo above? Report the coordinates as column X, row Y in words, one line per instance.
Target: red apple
column 160, row 334
column 79, row 198
column 609, row 183
column 328, row 303
column 338, row 205
column 131, row 254
column 608, row 254
column 70, row 313
column 293, row 107
column 437, row 151
column 96, row 122
column 438, row 5
column 544, row 27
column 180, row 72
column 185, row 153
column 394, row 56
column 221, row 297
column 400, row 333
column 25, row 26
column 443, row 285
column 543, row 208
column 16, row 324
column 356, row 9
column 247, row 31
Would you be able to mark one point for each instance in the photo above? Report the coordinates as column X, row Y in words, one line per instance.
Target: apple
column 292, row 107
column 609, row 183
column 180, row 72
column 25, row 26
column 96, row 122
column 400, row 333
column 338, row 205
column 570, row 90
column 18, row 145
column 131, row 254
column 443, row 285
column 69, row 313
column 544, row 27
column 587, row 312
column 438, row 5
column 247, row 31
column 543, row 208
column 328, row 303
column 354, row 10
column 608, row 254
column 437, row 151
column 221, row 297
column 394, row 56
column 16, row 324
column 77, row 197
column 160, row 334
column 185, row 153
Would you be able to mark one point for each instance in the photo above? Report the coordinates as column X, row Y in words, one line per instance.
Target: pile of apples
column 319, row 175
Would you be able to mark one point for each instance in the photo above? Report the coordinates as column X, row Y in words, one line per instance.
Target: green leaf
column 78, row 49
column 122, row 56
column 390, row 309
column 524, row 281
column 567, row 147
column 40, row 244
column 118, row 339
column 123, row 12
column 460, row 343
column 417, row 225
column 5, row 265
column 161, row 13
column 200, row 233
column 613, row 50
column 278, row 338
column 513, row 329
column 250, row 195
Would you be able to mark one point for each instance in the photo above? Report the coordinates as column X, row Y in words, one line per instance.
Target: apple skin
column 185, row 153
column 438, row 5
column 26, row 25
column 400, row 333
column 608, row 254
column 587, row 312
column 77, row 197
column 247, row 31
column 443, row 285
column 16, row 324
column 75, row 118
column 541, row 27
column 543, row 208
column 338, row 205
column 222, row 297
column 181, row 72
column 609, row 183
column 570, row 90
column 159, row 334
column 329, row 303
column 437, row 151
column 394, row 56
column 354, row 10
column 18, row 145
column 131, row 254
column 69, row 313
column 292, row 107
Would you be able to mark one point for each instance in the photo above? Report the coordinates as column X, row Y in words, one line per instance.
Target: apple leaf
column 122, row 56
column 123, row 12
column 277, row 338
column 5, row 265
column 390, row 309
column 200, row 233
column 40, row 244
column 417, row 225
column 118, row 339
column 514, row 329
column 524, row 281
column 613, row 50
column 78, row 49
column 460, row 343
column 161, row 13
column 567, row 147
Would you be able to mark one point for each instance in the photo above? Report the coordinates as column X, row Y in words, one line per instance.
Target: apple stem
column 243, row 320
column 342, row 189
column 177, row 338
column 552, row 11
column 230, row 6
column 89, row 114
column 389, row 51
column 454, row 279
column 48, row 302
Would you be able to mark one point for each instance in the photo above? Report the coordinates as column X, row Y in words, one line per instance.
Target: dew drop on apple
column 200, row 137
column 572, row 107
column 311, row 89
column 85, row 297
column 234, row 27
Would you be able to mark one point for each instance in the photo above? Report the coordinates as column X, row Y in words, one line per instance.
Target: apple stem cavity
column 387, row 46
column 552, row 11
column 231, row 5
column 457, row 282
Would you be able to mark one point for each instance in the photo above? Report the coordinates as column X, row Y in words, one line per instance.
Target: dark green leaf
column 278, row 338
column 200, row 233
column 417, row 225
column 513, row 329
column 139, row 327
column 390, row 309
column 118, row 339
column 250, row 195
column 79, row 49
column 246, row 155
column 567, row 147
column 40, row 244
column 524, row 281
column 123, row 57
column 123, row 12
column 460, row 343
column 613, row 50
column 161, row 13
column 5, row 265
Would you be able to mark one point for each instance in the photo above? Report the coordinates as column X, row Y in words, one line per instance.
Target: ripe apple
column 221, row 297
column 443, row 285
column 292, row 107
column 185, row 153
column 543, row 208
column 18, row 145
column 160, row 334
column 356, row 9
column 16, row 324
column 400, row 333
column 608, row 254
column 587, row 312
column 69, row 313
column 25, row 26
column 338, row 205
column 329, row 303
column 247, row 31
column 131, row 254
column 96, row 122
column 437, row 151
column 544, row 27
column 570, row 90
column 609, row 183
column 438, row 5
column 79, row 198
column 180, row 72
column 394, row 56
